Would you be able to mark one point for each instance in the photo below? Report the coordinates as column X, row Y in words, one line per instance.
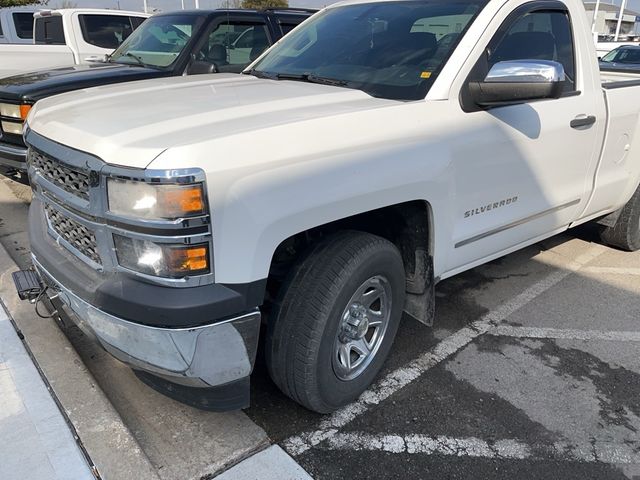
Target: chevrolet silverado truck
column 378, row 148
column 171, row 44
column 69, row 36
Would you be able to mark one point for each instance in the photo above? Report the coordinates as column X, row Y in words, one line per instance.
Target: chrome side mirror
column 518, row 81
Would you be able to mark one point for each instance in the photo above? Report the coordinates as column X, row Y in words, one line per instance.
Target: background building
column 607, row 19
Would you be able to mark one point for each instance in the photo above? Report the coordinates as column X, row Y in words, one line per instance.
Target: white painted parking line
column 403, row 376
column 565, row 334
column 612, row 270
column 270, row 464
column 588, row 451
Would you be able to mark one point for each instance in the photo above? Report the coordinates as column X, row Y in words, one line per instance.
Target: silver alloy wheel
column 362, row 328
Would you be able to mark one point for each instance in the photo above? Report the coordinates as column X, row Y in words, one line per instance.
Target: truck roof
column 63, row 11
column 292, row 11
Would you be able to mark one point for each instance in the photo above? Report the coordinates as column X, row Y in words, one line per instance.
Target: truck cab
column 68, row 36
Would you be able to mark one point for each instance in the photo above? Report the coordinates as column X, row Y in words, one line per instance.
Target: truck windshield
column 391, row 50
column 158, row 41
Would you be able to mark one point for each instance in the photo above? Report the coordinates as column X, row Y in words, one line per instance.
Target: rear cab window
column 49, row 31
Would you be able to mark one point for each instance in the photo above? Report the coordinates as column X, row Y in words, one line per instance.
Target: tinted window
column 287, row 27
column 541, row 36
column 232, row 45
column 158, row 41
column 136, row 21
column 623, row 55
column 105, row 31
column 24, row 24
column 49, row 30
column 289, row 22
column 387, row 49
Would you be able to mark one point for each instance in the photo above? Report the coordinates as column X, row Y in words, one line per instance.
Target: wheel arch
column 408, row 225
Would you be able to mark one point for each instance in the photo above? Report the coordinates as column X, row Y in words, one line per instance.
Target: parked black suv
column 168, row 44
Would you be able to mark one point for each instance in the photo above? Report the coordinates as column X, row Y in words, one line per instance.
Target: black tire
column 625, row 234
column 308, row 316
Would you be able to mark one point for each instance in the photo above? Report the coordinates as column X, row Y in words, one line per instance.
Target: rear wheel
column 625, row 233
column 336, row 319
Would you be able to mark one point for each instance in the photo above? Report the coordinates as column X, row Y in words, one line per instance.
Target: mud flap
column 420, row 301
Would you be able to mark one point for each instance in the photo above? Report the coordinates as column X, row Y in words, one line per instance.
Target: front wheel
column 336, row 319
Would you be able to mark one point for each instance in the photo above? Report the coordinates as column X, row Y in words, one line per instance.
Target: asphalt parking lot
column 532, row 370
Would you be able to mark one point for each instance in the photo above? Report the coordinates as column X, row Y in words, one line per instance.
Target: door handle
column 583, row 121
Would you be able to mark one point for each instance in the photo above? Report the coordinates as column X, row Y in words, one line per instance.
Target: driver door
column 522, row 171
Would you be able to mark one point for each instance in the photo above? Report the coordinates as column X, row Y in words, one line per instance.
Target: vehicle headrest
column 217, row 53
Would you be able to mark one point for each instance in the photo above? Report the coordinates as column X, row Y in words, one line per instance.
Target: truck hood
column 131, row 124
column 33, row 86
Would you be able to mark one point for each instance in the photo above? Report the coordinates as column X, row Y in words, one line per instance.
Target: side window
column 289, row 22
column 542, row 35
column 231, row 46
column 24, row 24
column 287, row 27
column 49, row 30
column 136, row 21
column 105, row 31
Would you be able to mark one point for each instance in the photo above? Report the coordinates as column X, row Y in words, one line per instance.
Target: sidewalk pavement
column 36, row 440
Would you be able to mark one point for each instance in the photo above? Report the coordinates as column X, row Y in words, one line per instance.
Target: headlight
column 162, row 260
column 12, row 127
column 17, row 112
column 154, row 201
column 14, row 111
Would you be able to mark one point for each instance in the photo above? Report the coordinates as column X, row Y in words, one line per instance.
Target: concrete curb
column 109, row 443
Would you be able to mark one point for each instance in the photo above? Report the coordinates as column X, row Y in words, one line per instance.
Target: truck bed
column 619, row 78
column 27, row 58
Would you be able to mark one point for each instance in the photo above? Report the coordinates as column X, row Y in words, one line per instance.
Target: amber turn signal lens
column 190, row 259
column 183, row 200
column 24, row 111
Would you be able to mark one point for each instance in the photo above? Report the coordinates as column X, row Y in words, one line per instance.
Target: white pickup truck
column 67, row 37
column 16, row 25
column 378, row 148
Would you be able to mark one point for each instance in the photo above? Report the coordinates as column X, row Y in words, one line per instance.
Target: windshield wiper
column 328, row 81
column 301, row 77
column 136, row 58
column 311, row 78
column 261, row 74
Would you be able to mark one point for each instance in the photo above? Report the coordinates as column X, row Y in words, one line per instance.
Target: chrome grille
column 70, row 180
column 74, row 233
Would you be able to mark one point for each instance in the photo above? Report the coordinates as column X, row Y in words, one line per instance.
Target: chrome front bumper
column 205, row 356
